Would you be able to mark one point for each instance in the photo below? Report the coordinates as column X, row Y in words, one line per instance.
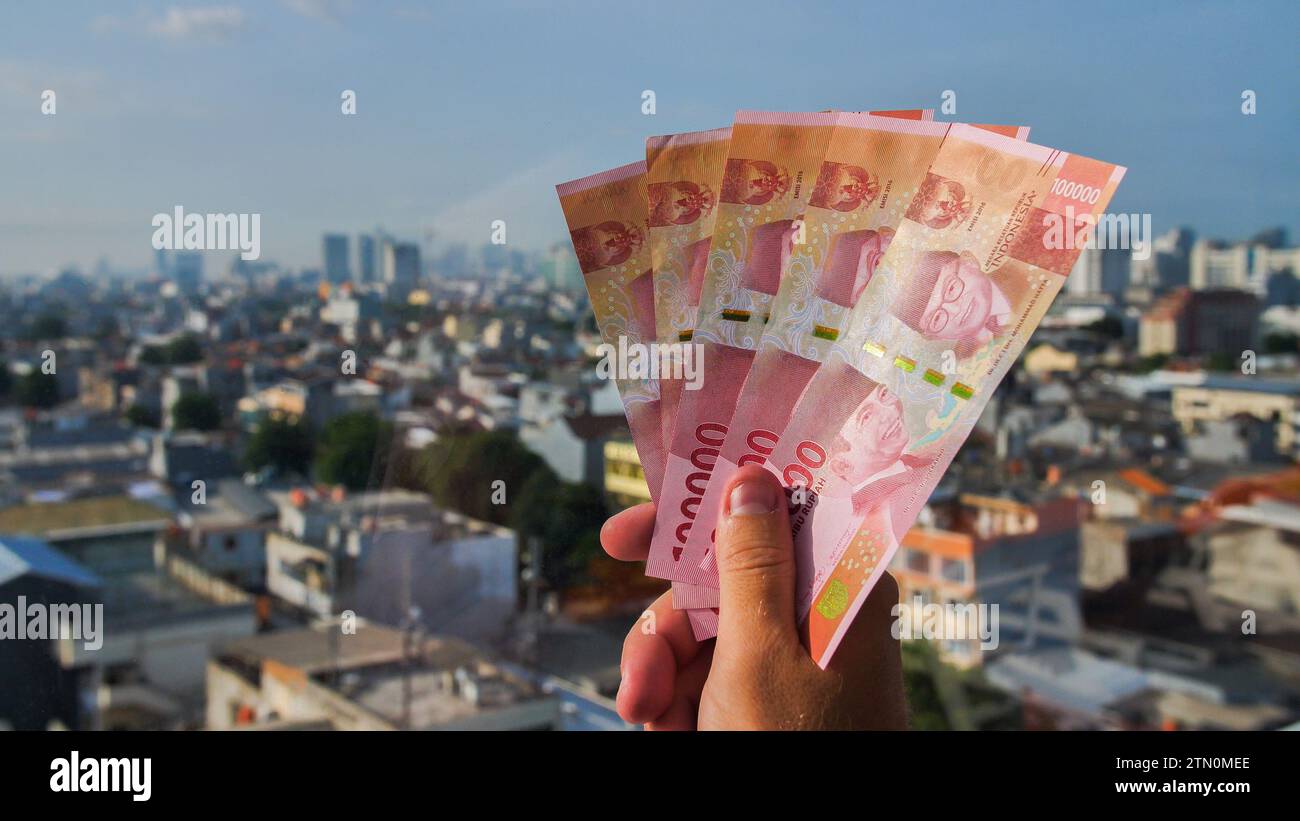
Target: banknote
column 872, row 168
column 684, row 175
column 771, row 163
column 983, row 247
column 607, row 217
column 682, row 178
column 764, row 189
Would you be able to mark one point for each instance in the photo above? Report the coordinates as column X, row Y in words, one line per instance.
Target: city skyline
column 236, row 108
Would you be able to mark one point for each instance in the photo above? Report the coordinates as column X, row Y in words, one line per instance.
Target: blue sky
column 471, row 112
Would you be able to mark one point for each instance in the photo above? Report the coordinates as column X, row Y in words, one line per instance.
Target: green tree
column 567, row 518
column 183, row 350
column 1152, row 362
column 459, row 471
column 1283, row 342
column 48, row 326
column 353, row 447
column 142, row 417
column 284, row 446
column 196, row 411
column 1222, row 361
column 1108, row 326
column 6, row 380
column 36, row 389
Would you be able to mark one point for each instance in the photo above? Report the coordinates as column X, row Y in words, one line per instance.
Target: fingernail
column 753, row 498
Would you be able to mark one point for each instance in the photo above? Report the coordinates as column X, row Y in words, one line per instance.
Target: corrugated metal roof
column 21, row 555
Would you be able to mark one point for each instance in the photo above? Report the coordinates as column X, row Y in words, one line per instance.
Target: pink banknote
column 607, row 215
column 982, row 249
column 772, row 161
column 871, row 170
column 683, row 174
column 763, row 191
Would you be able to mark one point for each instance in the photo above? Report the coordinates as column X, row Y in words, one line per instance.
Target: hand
column 757, row 674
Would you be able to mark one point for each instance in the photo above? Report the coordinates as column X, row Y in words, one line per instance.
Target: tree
column 47, row 326
column 459, row 471
column 567, row 518
column 353, row 447
column 196, row 411
column 1108, row 327
column 37, row 389
column 1221, row 361
column 142, row 417
column 1281, row 342
column 1152, row 362
column 183, row 350
column 6, row 380
column 287, row 447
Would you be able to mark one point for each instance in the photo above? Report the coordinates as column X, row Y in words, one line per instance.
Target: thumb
column 756, row 568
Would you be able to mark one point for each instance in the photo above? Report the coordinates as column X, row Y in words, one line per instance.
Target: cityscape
column 367, row 495
column 338, row 456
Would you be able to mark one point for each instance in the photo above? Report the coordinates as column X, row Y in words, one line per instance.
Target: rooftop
column 20, row 556
column 69, row 518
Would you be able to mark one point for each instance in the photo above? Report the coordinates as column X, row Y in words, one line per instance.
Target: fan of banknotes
column 851, row 288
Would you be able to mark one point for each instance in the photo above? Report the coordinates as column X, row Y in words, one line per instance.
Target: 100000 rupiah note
column 871, row 170
column 983, row 248
column 607, row 215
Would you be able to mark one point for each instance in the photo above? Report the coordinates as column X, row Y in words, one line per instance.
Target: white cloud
column 327, row 11
column 213, row 23
column 202, row 22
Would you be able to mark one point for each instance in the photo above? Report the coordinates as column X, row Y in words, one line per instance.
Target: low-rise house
column 369, row 678
column 392, row 555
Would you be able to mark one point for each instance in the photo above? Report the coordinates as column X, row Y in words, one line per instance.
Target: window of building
column 954, row 570
column 918, row 562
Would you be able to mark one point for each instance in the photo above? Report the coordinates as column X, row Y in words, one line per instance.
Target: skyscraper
column 366, row 257
column 187, row 271
column 401, row 268
column 335, row 251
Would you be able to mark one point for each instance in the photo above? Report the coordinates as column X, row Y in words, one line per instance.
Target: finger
column 680, row 716
column 656, row 648
column 626, row 535
column 684, row 712
column 691, row 679
column 756, row 567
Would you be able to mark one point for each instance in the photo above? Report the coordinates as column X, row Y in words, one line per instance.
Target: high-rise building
column 1196, row 323
column 1167, row 265
column 1100, row 271
column 366, row 257
column 335, row 251
column 401, row 267
column 1244, row 266
column 187, row 271
column 559, row 268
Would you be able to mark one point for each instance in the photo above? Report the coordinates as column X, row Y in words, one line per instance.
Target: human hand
column 757, row 674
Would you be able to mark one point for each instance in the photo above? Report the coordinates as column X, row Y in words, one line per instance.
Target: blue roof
column 20, row 555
